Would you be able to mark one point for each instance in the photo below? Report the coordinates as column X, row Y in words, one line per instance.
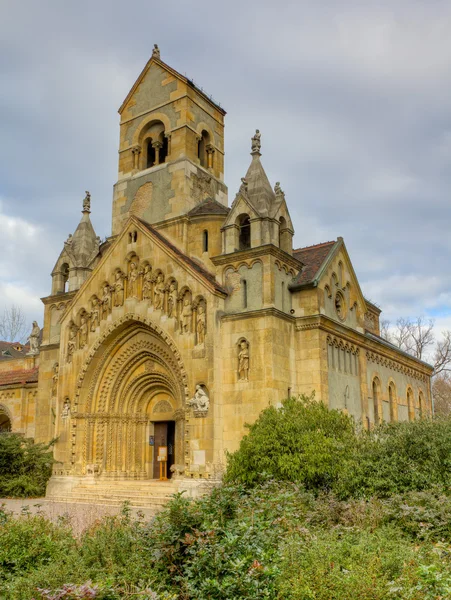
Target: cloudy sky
column 352, row 98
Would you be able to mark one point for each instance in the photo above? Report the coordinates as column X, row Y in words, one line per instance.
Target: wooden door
column 161, row 439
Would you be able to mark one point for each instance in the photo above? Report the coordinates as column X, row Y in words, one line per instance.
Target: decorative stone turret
column 78, row 256
column 259, row 214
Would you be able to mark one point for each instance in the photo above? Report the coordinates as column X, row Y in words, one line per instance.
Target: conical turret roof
column 84, row 243
column 259, row 191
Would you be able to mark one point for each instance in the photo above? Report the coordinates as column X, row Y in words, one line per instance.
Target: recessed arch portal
column 5, row 420
column 131, row 366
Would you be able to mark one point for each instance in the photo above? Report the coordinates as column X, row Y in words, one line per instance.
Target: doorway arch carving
column 129, row 366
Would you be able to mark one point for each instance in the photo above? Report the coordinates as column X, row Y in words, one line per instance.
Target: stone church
column 194, row 315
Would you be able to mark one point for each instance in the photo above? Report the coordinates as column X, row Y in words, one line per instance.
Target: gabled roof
column 156, row 60
column 209, row 206
column 11, row 350
column 313, row 258
column 19, row 377
column 209, row 277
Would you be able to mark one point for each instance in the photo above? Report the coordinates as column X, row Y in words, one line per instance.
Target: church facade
column 193, row 316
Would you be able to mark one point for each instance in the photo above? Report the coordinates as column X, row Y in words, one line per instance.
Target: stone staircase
column 143, row 494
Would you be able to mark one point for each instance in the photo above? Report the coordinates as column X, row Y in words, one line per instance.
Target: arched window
column 205, row 241
column 5, row 421
column 392, row 400
column 421, row 404
column 202, row 148
column 244, row 286
column 376, row 407
column 282, row 292
column 154, row 145
column 244, row 235
column 65, row 277
column 410, row 405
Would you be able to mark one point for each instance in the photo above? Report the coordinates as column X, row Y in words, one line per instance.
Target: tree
column 416, row 337
column 441, row 392
column 13, row 324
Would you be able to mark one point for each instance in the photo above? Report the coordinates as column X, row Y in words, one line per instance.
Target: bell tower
column 171, row 149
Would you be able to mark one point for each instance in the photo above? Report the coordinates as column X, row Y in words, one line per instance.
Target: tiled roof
column 186, row 259
column 19, row 377
column 312, row 257
column 9, row 350
column 209, row 207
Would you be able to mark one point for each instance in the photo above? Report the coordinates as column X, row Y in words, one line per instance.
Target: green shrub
column 25, row 467
column 303, row 442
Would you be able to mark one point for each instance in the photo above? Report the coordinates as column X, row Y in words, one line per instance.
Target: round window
column 340, row 306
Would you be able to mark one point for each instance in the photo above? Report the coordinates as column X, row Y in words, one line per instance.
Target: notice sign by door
column 162, row 453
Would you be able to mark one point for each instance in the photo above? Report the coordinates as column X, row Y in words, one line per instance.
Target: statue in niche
column 119, row 289
column 106, row 300
column 243, row 361
column 33, row 338
column 95, row 313
column 133, row 280
column 65, row 412
column 83, row 331
column 159, row 292
column 200, row 401
column 72, row 343
column 172, row 300
column 200, row 324
column 55, row 377
column 186, row 316
column 147, row 282
column 256, row 141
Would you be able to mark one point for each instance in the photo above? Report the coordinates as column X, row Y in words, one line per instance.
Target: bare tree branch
column 13, row 325
column 422, row 336
column 442, row 355
column 385, row 330
column 441, row 392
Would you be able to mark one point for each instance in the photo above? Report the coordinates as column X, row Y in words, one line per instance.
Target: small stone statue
column 159, row 292
column 83, row 332
column 95, row 313
column 172, row 300
column 256, row 142
column 155, row 51
column 200, row 325
column 133, row 281
column 87, row 202
column 185, row 317
column 55, row 376
column 33, row 338
column 244, row 186
column 147, row 283
column 65, row 413
column 119, row 289
column 200, row 401
column 72, row 343
column 280, row 194
column 243, row 361
column 106, row 300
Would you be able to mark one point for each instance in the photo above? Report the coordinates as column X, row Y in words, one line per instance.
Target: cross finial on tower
column 87, row 203
column 256, row 143
column 155, row 51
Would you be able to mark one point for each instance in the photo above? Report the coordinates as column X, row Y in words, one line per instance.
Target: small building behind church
column 193, row 316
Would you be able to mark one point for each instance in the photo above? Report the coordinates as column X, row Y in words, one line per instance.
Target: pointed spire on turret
column 84, row 243
column 258, row 189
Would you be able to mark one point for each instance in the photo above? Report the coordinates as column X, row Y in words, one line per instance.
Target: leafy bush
column 25, row 467
column 303, row 441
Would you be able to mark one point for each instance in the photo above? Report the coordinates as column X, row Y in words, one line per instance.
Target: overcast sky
column 353, row 99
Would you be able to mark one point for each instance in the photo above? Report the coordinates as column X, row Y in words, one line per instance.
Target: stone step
column 148, row 503
column 121, row 497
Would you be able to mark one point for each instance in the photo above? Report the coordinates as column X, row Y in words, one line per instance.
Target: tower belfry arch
column 134, row 380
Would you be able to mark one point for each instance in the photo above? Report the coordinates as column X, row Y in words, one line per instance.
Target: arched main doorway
column 132, row 402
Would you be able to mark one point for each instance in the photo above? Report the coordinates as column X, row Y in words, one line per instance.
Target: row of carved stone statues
column 190, row 316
